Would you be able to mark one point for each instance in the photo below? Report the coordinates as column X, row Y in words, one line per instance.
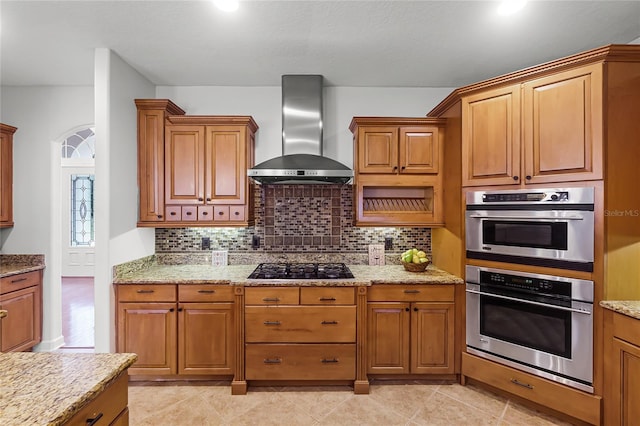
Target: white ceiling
column 352, row 43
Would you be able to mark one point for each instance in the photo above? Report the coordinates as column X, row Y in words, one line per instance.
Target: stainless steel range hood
column 302, row 161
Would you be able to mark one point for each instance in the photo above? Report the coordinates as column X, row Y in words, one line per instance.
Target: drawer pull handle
column 519, row 383
column 206, row 291
column 412, row 291
column 329, row 322
column 18, row 280
column 146, row 291
column 94, row 420
column 271, row 299
column 330, row 361
column 272, row 323
column 327, row 299
column 272, row 361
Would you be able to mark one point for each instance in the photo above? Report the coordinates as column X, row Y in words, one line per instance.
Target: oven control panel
column 509, row 197
column 529, row 284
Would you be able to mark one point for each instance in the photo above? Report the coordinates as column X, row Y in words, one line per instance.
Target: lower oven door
column 555, row 342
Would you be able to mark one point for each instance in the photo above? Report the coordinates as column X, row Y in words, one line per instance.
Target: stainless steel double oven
column 542, row 324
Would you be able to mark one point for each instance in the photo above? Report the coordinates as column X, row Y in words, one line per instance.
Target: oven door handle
column 530, row 218
column 530, row 302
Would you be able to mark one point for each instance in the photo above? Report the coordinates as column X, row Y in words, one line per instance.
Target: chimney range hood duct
column 302, row 161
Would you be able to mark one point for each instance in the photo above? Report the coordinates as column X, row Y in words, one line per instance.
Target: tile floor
column 415, row 403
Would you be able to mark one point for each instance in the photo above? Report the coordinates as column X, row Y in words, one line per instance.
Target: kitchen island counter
column 364, row 275
column 50, row 388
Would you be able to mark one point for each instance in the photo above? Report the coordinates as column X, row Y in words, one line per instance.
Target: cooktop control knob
column 554, row 197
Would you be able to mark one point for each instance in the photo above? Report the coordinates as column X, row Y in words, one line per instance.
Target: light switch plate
column 376, row 254
column 219, row 257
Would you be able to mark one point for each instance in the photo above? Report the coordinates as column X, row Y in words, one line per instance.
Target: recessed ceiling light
column 227, row 5
column 509, row 7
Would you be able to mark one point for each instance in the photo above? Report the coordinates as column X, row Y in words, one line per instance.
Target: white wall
column 341, row 104
column 42, row 115
column 117, row 237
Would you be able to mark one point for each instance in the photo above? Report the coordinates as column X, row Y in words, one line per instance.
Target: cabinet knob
column 188, row 213
column 200, row 199
column 415, row 309
column 171, row 310
column 159, row 216
column 172, row 213
column 237, row 213
column 527, row 177
column 404, row 167
column 220, row 213
column 516, row 177
column 208, row 198
column 395, row 168
column 205, row 213
column 407, row 309
column 93, row 420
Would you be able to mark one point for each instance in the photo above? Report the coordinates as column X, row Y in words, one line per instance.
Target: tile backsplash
column 294, row 219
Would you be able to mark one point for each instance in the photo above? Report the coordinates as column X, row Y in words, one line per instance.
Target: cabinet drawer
column 205, row 293
column 567, row 400
column 205, row 213
column 327, row 295
column 173, row 213
column 236, row 213
column 272, row 296
column 300, row 362
column 147, row 293
column 20, row 281
column 308, row 324
column 108, row 405
column 221, row 213
column 189, row 213
column 412, row 293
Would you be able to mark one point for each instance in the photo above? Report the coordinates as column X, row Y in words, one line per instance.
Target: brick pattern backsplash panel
column 296, row 218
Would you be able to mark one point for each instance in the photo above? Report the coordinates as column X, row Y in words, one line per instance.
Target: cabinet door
column 562, row 119
column 432, row 338
column 388, row 338
column 419, row 149
column 184, row 159
column 206, row 343
column 6, row 175
column 151, row 164
column 225, row 165
column 149, row 330
column 21, row 328
column 491, row 137
column 378, row 150
column 621, row 404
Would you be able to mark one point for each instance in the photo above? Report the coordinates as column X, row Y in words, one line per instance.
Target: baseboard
column 49, row 345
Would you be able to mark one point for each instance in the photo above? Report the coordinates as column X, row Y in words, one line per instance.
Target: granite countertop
column 364, row 275
column 13, row 264
column 49, row 388
column 630, row 308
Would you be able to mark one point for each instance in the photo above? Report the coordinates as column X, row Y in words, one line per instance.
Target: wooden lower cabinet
column 21, row 297
column 108, row 408
column 411, row 337
column 300, row 334
column 300, row 361
column 621, row 369
column 562, row 399
column 175, row 330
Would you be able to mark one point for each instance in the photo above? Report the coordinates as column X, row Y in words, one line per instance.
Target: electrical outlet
column 255, row 241
column 219, row 257
column 206, row 243
column 388, row 243
column 376, row 254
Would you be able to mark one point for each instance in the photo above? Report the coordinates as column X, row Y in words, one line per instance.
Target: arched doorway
column 77, row 245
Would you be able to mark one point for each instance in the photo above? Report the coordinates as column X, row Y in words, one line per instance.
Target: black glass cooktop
column 296, row 271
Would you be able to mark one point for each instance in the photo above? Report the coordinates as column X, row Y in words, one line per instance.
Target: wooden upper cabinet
column 491, row 137
column 151, row 121
column 192, row 170
column 185, row 164
column 226, row 164
column 540, row 131
column 397, row 149
column 6, row 175
column 562, row 126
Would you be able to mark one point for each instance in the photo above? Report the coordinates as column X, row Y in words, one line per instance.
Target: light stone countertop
column 630, row 308
column 44, row 388
column 13, row 264
column 364, row 275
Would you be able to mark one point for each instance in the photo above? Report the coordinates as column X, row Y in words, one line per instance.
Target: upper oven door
column 557, row 238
